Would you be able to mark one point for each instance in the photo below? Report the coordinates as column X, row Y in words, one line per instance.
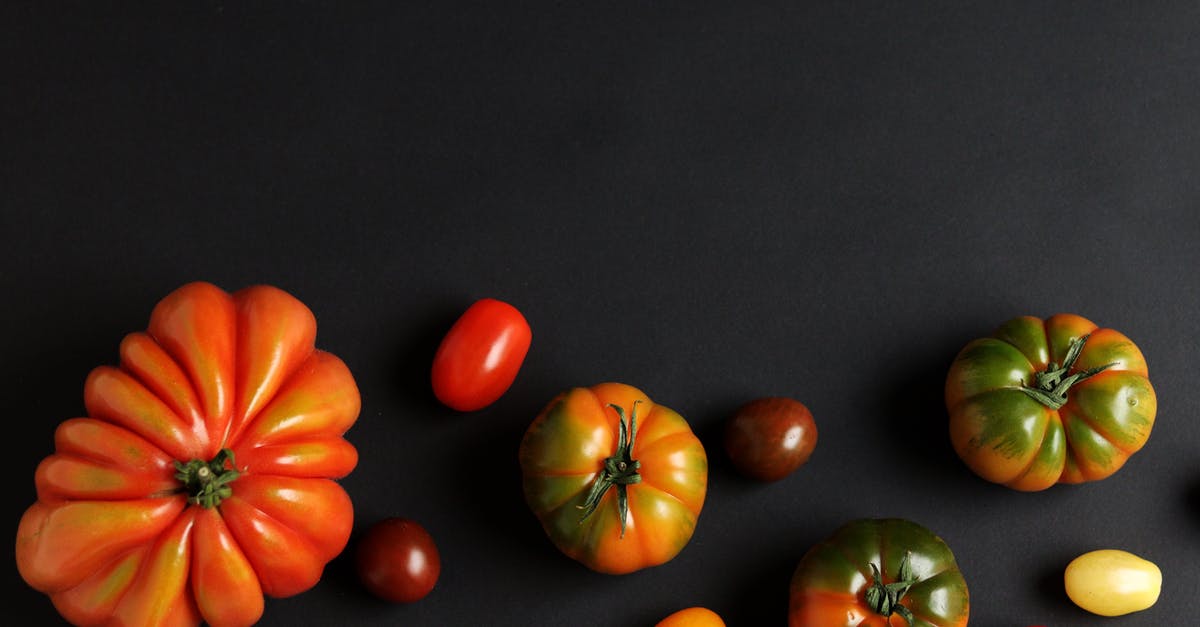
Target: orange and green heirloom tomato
column 879, row 573
column 616, row 480
column 201, row 478
column 1045, row 402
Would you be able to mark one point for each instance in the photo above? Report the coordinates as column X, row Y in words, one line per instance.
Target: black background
column 712, row 203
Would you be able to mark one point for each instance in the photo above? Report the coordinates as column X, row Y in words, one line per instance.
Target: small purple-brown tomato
column 768, row 438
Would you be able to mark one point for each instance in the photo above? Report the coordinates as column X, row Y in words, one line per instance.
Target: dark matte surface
column 713, row 204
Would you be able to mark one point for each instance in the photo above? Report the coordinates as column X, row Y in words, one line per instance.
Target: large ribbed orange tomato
column 201, row 478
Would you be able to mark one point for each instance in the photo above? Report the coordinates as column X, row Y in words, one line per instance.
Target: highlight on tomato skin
column 203, row 474
column 480, row 356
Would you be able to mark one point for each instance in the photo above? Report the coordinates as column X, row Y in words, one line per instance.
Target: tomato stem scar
column 620, row 470
column 884, row 599
column 207, row 483
column 1053, row 382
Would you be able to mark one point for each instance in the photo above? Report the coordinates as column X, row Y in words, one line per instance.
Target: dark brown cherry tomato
column 769, row 438
column 480, row 356
column 398, row 561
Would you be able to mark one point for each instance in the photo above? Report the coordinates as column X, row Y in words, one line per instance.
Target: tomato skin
column 398, row 561
column 692, row 617
column 1110, row 582
column 829, row 587
column 226, row 381
column 564, row 452
column 480, row 355
column 769, row 438
column 1006, row 436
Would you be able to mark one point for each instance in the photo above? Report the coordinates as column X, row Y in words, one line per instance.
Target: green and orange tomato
column 879, row 573
column 1041, row 402
column 616, row 480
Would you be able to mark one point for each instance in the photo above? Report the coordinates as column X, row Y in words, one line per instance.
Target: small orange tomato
column 692, row 617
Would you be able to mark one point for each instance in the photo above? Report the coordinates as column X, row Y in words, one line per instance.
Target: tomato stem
column 1053, row 382
column 207, row 483
column 884, row 599
column 620, row 470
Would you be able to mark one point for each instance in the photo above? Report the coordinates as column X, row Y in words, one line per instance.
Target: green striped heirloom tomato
column 1049, row 401
column 202, row 477
column 616, row 480
column 879, row 573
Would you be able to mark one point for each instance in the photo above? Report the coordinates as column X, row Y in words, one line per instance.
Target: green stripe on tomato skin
column 944, row 598
column 566, row 526
column 1061, row 330
column 1096, row 457
column 662, row 522
column 1107, row 346
column 658, row 528
column 546, row 493
column 860, row 543
column 562, row 441
column 589, row 540
column 928, row 553
column 1028, row 335
column 1047, row 466
column 827, row 567
column 997, row 433
column 986, row 364
column 1120, row 406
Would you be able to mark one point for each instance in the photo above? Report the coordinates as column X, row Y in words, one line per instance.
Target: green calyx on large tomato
column 1049, row 401
column 617, row 497
column 879, row 573
column 202, row 477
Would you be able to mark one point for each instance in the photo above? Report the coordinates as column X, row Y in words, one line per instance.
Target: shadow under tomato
column 763, row 596
column 488, row 496
column 411, row 357
column 1049, row 582
column 709, row 426
column 1192, row 499
column 912, row 408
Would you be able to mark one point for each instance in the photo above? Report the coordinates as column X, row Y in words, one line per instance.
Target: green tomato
column 1110, row 582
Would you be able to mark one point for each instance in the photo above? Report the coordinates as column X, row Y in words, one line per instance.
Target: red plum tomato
column 480, row 356
column 398, row 561
column 768, row 438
